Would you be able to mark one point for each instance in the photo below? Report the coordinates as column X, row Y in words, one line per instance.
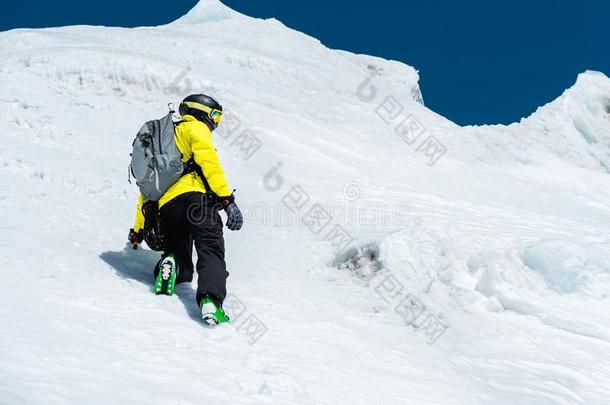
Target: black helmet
column 203, row 108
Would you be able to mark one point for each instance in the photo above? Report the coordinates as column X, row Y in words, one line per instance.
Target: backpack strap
column 191, row 166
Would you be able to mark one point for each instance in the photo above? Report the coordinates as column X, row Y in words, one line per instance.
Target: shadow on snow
column 138, row 265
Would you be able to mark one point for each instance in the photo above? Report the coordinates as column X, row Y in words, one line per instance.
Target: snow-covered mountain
column 389, row 256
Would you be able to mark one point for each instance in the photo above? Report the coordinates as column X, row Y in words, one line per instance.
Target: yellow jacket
column 193, row 139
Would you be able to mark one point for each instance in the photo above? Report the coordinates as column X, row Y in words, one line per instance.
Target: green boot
column 166, row 276
column 211, row 313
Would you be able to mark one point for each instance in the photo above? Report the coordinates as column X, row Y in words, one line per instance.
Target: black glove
column 135, row 237
column 234, row 218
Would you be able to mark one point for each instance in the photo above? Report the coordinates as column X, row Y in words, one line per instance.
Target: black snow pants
column 193, row 218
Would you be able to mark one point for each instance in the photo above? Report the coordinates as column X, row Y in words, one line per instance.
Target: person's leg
column 209, row 244
column 178, row 240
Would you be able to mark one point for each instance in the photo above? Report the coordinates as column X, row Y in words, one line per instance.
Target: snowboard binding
column 212, row 314
column 165, row 275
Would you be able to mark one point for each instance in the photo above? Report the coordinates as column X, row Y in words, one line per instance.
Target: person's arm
column 136, row 234
column 206, row 157
column 139, row 220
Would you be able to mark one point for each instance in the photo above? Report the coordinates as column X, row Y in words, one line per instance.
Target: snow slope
column 500, row 234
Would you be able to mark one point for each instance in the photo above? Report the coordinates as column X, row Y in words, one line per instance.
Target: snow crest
column 208, row 11
column 388, row 255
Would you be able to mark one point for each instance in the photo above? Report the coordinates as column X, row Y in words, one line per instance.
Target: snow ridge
column 500, row 242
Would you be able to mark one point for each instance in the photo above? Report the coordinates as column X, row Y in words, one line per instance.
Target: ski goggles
column 214, row 114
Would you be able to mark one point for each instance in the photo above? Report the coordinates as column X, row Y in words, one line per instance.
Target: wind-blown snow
column 503, row 239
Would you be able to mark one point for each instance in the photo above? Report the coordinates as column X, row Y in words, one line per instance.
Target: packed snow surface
column 389, row 256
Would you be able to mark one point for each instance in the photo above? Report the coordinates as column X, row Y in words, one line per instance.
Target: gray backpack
column 156, row 164
column 155, row 160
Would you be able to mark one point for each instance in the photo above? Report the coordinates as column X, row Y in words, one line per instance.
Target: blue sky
column 480, row 62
